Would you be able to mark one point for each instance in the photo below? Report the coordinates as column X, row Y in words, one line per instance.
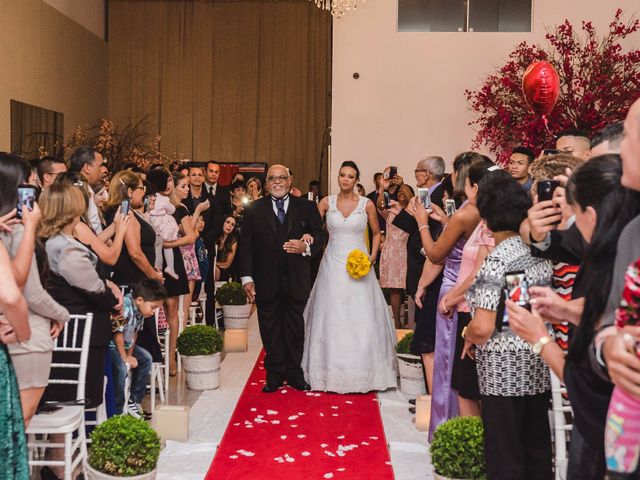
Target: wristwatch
column 539, row 345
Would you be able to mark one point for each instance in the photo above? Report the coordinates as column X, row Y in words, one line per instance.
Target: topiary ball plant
column 124, row 446
column 199, row 340
column 231, row 293
column 404, row 345
column 457, row 449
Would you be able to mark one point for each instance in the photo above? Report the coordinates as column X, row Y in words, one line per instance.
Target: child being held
column 145, row 297
column 161, row 219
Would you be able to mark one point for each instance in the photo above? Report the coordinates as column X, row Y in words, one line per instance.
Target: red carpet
column 302, row 435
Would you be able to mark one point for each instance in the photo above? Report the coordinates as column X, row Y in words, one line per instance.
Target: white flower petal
column 328, row 475
column 305, row 454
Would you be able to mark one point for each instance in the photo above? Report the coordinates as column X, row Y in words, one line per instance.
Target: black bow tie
column 274, row 199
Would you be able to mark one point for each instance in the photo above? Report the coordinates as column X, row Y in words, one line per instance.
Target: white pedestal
column 171, row 422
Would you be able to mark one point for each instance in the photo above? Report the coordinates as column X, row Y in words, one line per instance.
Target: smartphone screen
column 450, row 207
column 26, row 197
column 393, row 171
column 124, row 207
column 425, row 199
column 546, row 189
column 517, row 290
column 386, row 200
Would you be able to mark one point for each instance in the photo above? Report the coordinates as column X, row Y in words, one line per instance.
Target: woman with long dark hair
column 602, row 207
column 227, row 243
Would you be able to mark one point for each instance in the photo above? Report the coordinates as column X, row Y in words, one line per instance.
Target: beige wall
column 52, row 62
column 88, row 13
column 409, row 100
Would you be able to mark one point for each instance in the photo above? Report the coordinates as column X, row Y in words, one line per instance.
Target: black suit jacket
column 259, row 246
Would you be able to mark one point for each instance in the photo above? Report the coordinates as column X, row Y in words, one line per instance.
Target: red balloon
column 541, row 87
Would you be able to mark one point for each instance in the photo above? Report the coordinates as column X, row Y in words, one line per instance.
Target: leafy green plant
column 404, row 345
column 199, row 340
column 457, row 449
column 124, row 446
column 231, row 293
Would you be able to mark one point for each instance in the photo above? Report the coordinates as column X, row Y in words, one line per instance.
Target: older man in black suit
column 280, row 235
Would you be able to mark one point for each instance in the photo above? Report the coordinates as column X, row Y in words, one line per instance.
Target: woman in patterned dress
column 393, row 259
column 513, row 380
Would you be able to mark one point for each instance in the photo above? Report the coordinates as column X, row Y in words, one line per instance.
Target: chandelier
column 337, row 7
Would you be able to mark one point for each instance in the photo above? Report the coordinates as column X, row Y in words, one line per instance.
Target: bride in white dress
column 349, row 342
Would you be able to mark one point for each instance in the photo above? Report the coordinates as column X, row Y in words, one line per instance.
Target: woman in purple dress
column 447, row 249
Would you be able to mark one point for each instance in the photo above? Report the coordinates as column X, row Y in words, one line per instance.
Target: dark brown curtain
column 241, row 80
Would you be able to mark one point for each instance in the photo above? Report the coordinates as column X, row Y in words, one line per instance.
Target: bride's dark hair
column 351, row 164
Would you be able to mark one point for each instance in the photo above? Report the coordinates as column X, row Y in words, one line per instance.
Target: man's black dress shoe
column 412, row 401
column 412, row 409
column 300, row 385
column 271, row 387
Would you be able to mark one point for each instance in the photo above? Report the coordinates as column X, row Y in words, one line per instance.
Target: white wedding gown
column 349, row 343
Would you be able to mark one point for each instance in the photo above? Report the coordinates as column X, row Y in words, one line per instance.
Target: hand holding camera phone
column 516, row 290
column 124, row 207
column 546, row 188
column 425, row 199
column 450, row 207
column 26, row 198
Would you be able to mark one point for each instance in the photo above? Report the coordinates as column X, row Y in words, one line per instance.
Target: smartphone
column 517, row 290
column 124, row 207
column 145, row 203
column 26, row 197
column 310, row 196
column 393, row 171
column 387, row 200
column 425, row 199
column 550, row 151
column 546, row 189
column 450, row 206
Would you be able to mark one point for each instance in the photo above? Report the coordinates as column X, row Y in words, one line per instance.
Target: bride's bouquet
column 358, row 264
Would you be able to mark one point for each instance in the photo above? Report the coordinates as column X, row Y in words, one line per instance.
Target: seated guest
column 146, row 296
column 518, row 166
column 31, row 359
column 513, row 380
column 227, row 244
column 76, row 284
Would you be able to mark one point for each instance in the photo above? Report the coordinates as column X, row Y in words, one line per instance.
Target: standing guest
column 518, row 166
column 227, row 244
column 13, row 441
column 105, row 174
column 575, row 142
column 373, row 196
column 464, row 376
column 133, row 167
column 447, row 248
column 295, row 191
column 87, row 161
column 607, row 140
column 429, row 173
column 514, row 381
column 145, row 297
column 219, row 193
column 254, row 187
column 360, row 189
column 49, row 168
column 197, row 193
column 393, row 259
column 239, row 199
column 76, row 284
column 31, row 359
column 314, row 191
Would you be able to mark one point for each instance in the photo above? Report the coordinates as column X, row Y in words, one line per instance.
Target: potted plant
column 410, row 368
column 123, row 446
column 457, row 449
column 234, row 304
column 200, row 347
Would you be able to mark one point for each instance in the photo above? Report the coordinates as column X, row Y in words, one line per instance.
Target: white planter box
column 236, row 316
column 202, row 371
column 91, row 474
column 411, row 377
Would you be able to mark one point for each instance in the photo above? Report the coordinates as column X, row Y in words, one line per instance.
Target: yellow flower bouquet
column 358, row 264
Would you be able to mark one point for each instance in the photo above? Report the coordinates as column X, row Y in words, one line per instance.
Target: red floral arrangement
column 598, row 83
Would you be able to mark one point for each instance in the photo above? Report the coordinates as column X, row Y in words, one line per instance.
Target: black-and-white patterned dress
column 507, row 367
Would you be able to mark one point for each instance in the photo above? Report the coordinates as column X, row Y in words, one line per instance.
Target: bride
column 349, row 335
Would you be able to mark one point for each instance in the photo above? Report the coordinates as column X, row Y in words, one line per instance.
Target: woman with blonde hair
column 254, row 188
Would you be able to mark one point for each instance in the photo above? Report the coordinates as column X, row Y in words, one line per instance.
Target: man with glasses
column 275, row 269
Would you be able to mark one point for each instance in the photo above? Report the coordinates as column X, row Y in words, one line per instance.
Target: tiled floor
column 211, row 410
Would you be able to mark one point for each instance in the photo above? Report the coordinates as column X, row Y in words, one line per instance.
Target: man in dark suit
column 218, row 192
column 274, row 266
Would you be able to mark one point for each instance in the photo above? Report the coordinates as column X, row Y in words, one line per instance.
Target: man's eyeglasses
column 280, row 178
